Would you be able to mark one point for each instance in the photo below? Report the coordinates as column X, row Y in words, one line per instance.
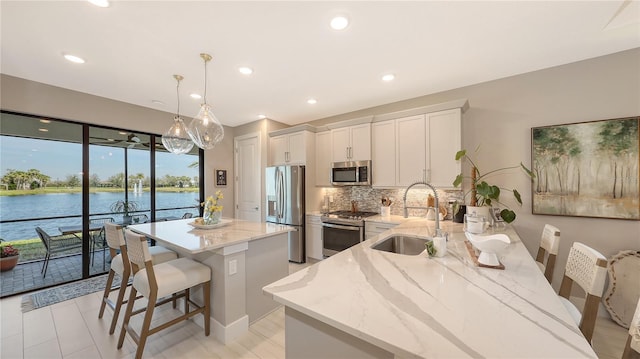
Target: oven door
column 338, row 237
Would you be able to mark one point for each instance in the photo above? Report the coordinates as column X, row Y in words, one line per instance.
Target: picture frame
column 587, row 169
column 221, row 177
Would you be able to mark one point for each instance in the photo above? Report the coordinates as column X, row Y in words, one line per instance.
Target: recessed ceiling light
column 75, row 59
column 388, row 77
column 245, row 70
column 43, row 130
column 157, row 102
column 196, row 96
column 262, row 117
column 100, row 3
column 45, row 121
column 312, row 101
column 339, row 22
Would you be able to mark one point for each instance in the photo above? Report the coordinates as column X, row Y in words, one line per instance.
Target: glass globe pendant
column 177, row 140
column 205, row 130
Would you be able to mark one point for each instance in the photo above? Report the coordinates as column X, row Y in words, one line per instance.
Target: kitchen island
column 243, row 257
column 363, row 302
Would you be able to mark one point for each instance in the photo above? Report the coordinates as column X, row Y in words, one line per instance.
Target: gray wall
column 500, row 118
column 35, row 98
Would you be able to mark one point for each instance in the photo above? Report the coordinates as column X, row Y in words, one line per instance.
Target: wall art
column 588, row 169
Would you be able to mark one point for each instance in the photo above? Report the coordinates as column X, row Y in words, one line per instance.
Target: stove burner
column 347, row 217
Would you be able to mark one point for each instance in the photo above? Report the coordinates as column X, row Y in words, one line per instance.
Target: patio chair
column 98, row 238
column 139, row 218
column 187, row 215
column 55, row 245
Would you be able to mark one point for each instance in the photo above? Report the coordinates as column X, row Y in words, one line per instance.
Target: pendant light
column 176, row 139
column 205, row 130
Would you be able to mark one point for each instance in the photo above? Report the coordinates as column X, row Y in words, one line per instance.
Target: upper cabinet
column 417, row 148
column 323, row 158
column 289, row 149
column 352, row 143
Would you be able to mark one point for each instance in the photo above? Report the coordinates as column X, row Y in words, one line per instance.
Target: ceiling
column 133, row 48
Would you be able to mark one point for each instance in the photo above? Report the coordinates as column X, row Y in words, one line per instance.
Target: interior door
column 248, row 183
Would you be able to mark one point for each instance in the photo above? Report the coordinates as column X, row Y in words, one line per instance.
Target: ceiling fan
column 132, row 141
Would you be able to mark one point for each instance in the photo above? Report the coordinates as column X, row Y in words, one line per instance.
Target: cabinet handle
column 350, row 152
column 347, row 152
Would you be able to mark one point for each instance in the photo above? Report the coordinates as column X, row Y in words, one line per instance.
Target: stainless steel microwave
column 352, row 173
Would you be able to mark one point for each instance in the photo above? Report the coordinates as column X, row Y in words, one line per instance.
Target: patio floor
column 26, row 277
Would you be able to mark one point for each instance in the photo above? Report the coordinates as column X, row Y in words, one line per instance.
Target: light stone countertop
column 194, row 240
column 415, row 306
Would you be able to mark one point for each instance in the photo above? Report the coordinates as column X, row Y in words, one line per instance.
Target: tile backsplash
column 370, row 199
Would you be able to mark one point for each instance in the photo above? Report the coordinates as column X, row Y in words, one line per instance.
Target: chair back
column 44, row 237
column 550, row 240
column 139, row 218
column 137, row 249
column 114, row 235
column 587, row 268
column 187, row 215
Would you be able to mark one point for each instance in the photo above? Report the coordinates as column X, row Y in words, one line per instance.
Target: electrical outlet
column 233, row 267
column 331, row 199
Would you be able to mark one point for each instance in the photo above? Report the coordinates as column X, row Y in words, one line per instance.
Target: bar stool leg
column 116, row 310
column 105, row 295
column 207, row 307
column 146, row 324
column 127, row 316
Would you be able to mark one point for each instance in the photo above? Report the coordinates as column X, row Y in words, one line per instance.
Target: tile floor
column 71, row 329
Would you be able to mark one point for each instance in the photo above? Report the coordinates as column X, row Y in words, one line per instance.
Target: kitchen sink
column 406, row 245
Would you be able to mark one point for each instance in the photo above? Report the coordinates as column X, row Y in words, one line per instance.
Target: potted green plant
column 124, row 207
column 8, row 256
column 484, row 194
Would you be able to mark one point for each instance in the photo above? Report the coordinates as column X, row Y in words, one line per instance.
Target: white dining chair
column 588, row 269
column 114, row 236
column 548, row 251
column 159, row 281
column 632, row 347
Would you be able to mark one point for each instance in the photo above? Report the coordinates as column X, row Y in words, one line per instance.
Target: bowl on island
column 489, row 246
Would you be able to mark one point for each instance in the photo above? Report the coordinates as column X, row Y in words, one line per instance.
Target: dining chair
column 549, row 243
column 588, row 269
column 159, row 281
column 65, row 243
column 632, row 347
column 120, row 265
column 98, row 238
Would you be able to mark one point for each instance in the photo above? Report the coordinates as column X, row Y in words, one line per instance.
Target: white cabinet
column 352, row 143
column 313, row 238
column 424, row 146
column 323, row 159
column 372, row 229
column 290, row 149
column 383, row 152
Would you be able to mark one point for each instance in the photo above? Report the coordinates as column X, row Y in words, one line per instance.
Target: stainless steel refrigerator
column 285, row 205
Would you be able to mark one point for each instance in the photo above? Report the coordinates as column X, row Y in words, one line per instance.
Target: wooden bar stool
column 120, row 265
column 632, row 348
column 160, row 281
column 587, row 268
column 549, row 243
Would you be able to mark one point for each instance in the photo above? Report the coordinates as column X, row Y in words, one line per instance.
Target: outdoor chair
column 65, row 243
column 187, row 215
column 139, row 218
column 98, row 238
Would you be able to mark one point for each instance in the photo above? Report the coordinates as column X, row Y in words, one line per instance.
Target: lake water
column 70, row 204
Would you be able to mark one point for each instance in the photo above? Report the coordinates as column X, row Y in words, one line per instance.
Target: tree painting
column 587, row 169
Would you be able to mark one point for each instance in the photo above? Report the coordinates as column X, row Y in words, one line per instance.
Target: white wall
column 500, row 118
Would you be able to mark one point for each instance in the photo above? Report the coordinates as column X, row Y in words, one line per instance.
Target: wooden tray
column 474, row 257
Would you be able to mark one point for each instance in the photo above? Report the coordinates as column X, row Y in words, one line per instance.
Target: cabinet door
column 383, row 153
column 278, row 148
column 341, row 143
column 411, row 150
column 323, row 159
column 445, row 138
column 314, row 237
column 360, row 142
column 297, row 148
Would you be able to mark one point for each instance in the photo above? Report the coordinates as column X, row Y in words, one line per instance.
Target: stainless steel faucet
column 436, row 209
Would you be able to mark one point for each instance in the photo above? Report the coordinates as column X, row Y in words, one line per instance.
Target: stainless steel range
column 341, row 230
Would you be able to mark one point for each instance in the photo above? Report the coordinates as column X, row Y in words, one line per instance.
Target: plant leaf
column 458, row 180
column 531, row 174
column 516, row 194
column 508, row 215
column 460, row 154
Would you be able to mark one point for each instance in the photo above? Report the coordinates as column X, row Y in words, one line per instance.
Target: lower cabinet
column 314, row 236
column 372, row 229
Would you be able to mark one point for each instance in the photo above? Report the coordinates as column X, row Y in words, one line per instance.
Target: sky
column 61, row 159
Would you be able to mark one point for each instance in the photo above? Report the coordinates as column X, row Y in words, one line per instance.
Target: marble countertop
column 416, row 306
column 194, row 240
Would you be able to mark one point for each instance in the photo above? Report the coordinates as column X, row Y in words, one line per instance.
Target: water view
column 70, row 204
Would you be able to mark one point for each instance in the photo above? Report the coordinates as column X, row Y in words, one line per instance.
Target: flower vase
column 212, row 217
column 8, row 263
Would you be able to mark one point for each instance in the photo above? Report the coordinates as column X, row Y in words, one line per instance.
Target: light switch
column 233, row 267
